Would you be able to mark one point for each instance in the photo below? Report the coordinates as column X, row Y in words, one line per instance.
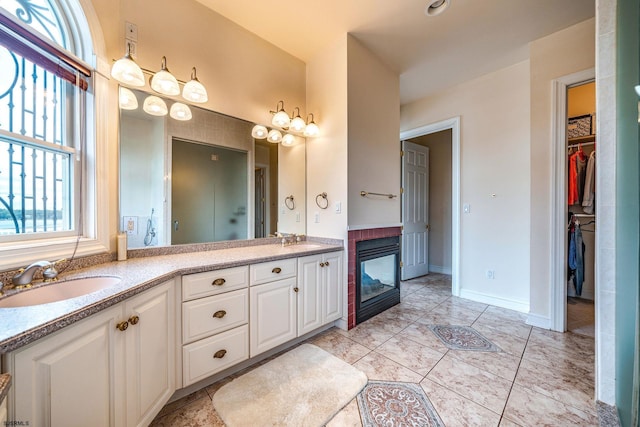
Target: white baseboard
column 539, row 321
column 439, row 269
column 521, row 306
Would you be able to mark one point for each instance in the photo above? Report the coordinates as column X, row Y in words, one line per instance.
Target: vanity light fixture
column 280, row 117
column 193, row 90
column 127, row 99
column 259, row 132
column 155, row 106
column 311, row 129
column 288, row 139
column 297, row 123
column 274, row 136
column 163, row 81
column 180, row 111
column 126, row 71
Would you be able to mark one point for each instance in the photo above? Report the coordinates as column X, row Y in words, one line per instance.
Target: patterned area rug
column 392, row 404
column 462, row 338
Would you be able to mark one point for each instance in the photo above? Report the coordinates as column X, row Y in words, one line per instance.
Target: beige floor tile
column 564, row 341
column 377, row 367
column 340, row 346
column 389, row 322
column 500, row 363
column 505, row 313
column 565, row 386
column 368, row 334
column 455, row 410
column 511, row 344
column 348, row 417
column 199, row 413
column 508, row 423
column 528, row 408
column 564, row 359
column 473, row 383
column 423, row 335
column 460, row 314
column 419, row 302
column 468, row 304
column 406, row 312
column 433, row 318
column 410, row 354
column 175, row 405
column 505, row 326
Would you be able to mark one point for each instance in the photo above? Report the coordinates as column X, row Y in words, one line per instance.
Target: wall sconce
column 291, row 125
column 126, row 71
column 163, row 81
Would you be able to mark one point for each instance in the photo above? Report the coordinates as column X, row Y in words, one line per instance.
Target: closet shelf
column 582, row 139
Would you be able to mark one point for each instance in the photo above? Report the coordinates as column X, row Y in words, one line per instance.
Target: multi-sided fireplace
column 377, row 276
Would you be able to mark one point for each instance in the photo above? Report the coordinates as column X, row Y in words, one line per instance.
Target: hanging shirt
column 577, row 172
column 590, row 185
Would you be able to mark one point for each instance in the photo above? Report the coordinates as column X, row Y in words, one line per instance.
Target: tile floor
column 538, row 378
column 581, row 318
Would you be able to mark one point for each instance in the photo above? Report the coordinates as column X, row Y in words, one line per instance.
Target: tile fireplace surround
column 357, row 236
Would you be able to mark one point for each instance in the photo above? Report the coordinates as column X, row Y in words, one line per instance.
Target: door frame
column 453, row 124
column 559, row 209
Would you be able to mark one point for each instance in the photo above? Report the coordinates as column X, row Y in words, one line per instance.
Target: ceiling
column 471, row 38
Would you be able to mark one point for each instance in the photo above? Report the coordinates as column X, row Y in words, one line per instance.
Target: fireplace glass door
column 378, row 277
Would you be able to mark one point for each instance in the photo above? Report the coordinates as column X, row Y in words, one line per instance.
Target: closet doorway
column 581, row 212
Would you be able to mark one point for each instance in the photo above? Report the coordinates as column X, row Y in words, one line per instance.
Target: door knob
column 134, row 320
column 122, row 326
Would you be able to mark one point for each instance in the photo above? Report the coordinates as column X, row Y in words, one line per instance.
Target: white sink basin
column 59, row 291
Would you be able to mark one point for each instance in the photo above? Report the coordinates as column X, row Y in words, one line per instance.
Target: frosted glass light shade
column 155, row 106
column 127, row 72
column 180, row 111
column 311, row 130
column 297, row 124
column 288, row 139
column 163, row 81
column 259, row 132
column 127, row 99
column 281, row 119
column 274, row 136
column 195, row 91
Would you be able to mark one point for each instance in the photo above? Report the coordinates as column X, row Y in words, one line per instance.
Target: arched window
column 43, row 118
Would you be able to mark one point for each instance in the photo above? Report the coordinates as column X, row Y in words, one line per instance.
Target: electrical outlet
column 491, row 274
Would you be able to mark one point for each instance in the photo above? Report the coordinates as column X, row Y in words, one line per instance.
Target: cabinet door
column 310, row 295
column 272, row 315
column 68, row 378
column 333, row 289
column 149, row 353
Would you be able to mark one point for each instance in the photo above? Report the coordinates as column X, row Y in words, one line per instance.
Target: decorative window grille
column 41, row 121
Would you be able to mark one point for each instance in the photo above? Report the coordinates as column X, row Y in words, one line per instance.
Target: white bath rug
column 304, row 387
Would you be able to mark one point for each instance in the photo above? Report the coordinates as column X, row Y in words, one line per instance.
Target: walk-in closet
column 581, row 217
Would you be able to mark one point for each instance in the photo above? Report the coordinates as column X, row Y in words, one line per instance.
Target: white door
column 310, row 294
column 415, row 210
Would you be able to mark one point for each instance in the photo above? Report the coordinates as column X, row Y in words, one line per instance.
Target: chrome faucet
column 25, row 275
column 289, row 239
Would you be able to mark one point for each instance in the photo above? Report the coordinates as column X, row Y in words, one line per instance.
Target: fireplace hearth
column 377, row 276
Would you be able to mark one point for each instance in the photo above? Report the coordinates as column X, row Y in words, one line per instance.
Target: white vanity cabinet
column 215, row 313
column 320, row 292
column 99, row 372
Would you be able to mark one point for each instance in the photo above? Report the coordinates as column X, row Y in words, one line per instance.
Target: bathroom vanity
column 116, row 357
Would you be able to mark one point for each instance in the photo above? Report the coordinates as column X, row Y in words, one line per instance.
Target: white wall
column 374, row 146
column 560, row 54
column 494, row 111
column 291, row 182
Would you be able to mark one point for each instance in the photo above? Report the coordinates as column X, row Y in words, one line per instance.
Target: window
column 42, row 122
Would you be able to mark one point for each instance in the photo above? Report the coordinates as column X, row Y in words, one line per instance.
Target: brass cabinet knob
column 122, row 326
column 218, row 282
column 322, row 264
column 326, row 264
column 276, row 270
column 134, row 320
column 296, row 289
column 219, row 354
column 219, row 314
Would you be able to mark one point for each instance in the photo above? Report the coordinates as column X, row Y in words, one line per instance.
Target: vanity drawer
column 208, row 316
column 214, row 282
column 206, row 357
column 273, row 270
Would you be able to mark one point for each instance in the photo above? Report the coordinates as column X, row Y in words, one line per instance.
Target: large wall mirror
column 205, row 179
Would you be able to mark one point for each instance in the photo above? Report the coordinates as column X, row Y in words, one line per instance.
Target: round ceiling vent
column 436, row 7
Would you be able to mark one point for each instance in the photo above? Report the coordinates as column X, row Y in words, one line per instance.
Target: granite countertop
column 23, row 325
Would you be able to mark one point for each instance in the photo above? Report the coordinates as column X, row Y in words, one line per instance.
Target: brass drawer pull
column 122, row 326
column 134, row 320
column 326, row 264
column 218, row 282
column 322, row 264
column 276, row 270
column 219, row 314
column 296, row 289
column 219, row 354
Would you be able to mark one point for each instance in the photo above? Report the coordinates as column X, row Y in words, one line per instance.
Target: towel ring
column 289, row 202
column 322, row 205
